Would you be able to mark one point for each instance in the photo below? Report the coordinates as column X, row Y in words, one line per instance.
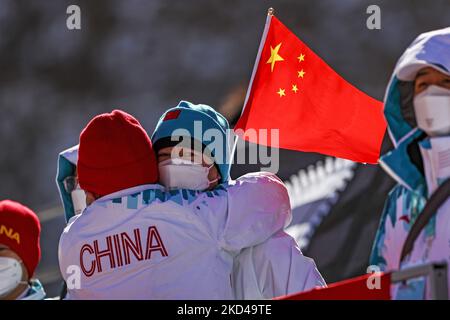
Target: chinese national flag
column 316, row 110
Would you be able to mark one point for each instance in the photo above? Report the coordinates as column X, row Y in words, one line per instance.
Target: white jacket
column 274, row 268
column 145, row 243
column 408, row 198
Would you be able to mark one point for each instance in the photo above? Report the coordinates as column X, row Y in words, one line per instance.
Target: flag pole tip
column 271, row 11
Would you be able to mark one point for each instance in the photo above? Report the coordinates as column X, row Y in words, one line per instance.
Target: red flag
column 316, row 110
column 351, row 289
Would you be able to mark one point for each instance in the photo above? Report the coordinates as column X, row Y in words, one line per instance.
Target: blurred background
column 145, row 56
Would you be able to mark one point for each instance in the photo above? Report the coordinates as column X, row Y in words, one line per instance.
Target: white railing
column 436, row 272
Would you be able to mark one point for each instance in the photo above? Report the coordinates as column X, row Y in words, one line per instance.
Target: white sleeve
column 62, row 254
column 258, row 207
column 274, row 268
column 64, row 247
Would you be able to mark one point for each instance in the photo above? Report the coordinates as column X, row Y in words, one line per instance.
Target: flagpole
column 270, row 13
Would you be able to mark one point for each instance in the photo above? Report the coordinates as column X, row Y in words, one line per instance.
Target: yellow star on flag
column 294, row 88
column 301, row 57
column 301, row 73
column 274, row 56
column 281, row 92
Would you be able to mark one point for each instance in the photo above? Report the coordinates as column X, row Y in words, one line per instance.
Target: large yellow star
column 274, row 56
column 301, row 73
column 301, row 57
column 281, row 92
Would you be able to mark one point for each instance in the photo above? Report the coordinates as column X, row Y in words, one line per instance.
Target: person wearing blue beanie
column 193, row 131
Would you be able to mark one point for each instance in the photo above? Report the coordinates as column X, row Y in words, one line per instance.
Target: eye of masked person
column 430, row 76
column 184, row 153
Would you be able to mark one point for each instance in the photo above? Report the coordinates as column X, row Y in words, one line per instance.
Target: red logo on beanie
column 20, row 231
column 10, row 233
column 172, row 115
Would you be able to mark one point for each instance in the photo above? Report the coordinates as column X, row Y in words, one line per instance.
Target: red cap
column 115, row 153
column 20, row 231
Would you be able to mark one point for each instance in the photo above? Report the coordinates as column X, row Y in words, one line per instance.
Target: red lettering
column 136, row 247
column 91, row 271
column 104, row 253
column 118, row 251
column 153, row 233
column 117, row 243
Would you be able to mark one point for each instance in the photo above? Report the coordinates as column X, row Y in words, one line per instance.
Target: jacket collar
column 35, row 291
column 397, row 163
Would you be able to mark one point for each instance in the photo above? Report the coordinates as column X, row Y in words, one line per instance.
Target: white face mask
column 78, row 200
column 184, row 174
column 432, row 109
column 10, row 275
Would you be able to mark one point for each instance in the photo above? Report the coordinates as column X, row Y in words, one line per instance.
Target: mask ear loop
column 216, row 179
column 22, row 281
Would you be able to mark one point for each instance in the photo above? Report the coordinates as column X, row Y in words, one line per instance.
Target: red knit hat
column 20, row 231
column 115, row 153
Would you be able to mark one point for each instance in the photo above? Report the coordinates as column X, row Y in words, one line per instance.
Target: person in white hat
column 417, row 109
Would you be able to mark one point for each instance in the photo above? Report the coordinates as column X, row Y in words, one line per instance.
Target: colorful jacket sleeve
column 391, row 233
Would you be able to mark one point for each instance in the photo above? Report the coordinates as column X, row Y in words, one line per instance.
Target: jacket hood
column 430, row 49
column 67, row 163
